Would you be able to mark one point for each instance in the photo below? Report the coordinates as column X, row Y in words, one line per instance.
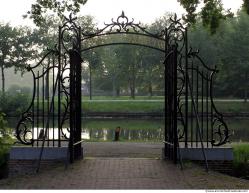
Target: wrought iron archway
column 191, row 117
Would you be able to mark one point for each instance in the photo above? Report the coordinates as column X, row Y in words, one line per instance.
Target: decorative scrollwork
column 221, row 132
column 70, row 34
column 220, row 129
column 180, row 93
column 175, row 33
column 124, row 24
column 24, row 129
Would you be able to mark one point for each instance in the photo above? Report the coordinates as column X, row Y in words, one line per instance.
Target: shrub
column 241, row 160
column 5, row 139
column 13, row 105
column 14, row 89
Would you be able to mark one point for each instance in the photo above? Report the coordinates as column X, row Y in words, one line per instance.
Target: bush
column 241, row 160
column 15, row 89
column 14, row 105
column 6, row 140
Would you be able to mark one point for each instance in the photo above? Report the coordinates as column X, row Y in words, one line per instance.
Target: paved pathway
column 125, row 173
column 141, row 169
column 123, row 149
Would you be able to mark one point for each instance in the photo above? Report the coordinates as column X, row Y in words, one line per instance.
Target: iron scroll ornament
column 122, row 24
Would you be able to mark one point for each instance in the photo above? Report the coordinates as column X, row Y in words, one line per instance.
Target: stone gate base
column 24, row 160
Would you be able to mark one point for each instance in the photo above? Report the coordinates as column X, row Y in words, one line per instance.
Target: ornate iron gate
column 191, row 118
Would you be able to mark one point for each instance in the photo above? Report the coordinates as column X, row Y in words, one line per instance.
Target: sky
column 145, row 11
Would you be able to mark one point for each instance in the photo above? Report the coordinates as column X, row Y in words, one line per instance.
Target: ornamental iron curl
column 122, row 24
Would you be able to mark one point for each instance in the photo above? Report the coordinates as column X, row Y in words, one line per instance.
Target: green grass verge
column 123, row 123
column 232, row 106
column 123, row 98
column 241, row 159
column 241, row 153
column 124, row 106
column 139, row 105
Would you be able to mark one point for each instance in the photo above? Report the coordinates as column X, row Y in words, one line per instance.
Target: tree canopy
column 41, row 8
column 211, row 13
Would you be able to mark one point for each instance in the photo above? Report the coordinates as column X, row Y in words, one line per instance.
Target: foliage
column 40, row 9
column 211, row 13
column 122, row 107
column 5, row 139
column 121, row 70
column 15, row 49
column 14, row 105
column 246, row 6
column 14, row 89
column 233, row 45
column 190, row 6
column 241, row 159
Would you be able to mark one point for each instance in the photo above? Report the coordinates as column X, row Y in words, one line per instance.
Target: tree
column 200, row 39
column 15, row 49
column 40, row 9
column 211, row 13
column 112, row 68
column 130, row 62
column 245, row 6
column 233, row 52
column 190, row 6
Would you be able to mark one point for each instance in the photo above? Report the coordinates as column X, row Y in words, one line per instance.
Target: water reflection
column 107, row 134
column 134, row 130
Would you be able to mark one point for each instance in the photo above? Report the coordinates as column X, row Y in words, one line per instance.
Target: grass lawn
column 122, row 106
column 241, row 159
column 241, row 153
column 146, row 104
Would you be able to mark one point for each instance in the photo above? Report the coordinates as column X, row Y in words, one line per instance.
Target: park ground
column 119, row 170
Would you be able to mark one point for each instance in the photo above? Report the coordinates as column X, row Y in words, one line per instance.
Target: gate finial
column 122, row 14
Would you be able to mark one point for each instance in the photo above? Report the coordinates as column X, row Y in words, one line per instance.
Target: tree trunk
column 3, row 79
column 132, row 89
column 245, row 95
column 245, row 90
column 90, row 86
column 150, row 90
column 47, row 87
column 117, row 92
column 133, row 82
column 113, row 87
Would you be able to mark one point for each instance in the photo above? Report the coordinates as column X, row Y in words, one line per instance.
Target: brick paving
column 124, row 166
column 125, row 173
column 123, row 149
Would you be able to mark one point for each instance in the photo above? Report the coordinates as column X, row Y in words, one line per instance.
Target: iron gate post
column 75, row 106
column 175, row 133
